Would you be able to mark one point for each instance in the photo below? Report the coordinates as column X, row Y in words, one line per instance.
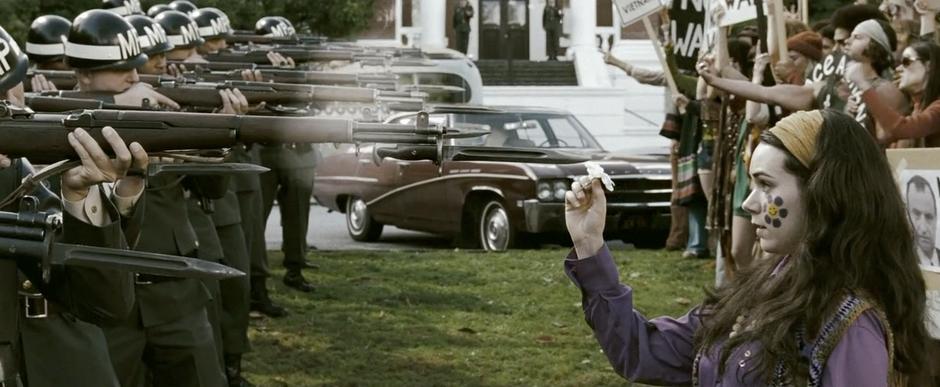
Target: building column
column 583, row 14
column 588, row 60
column 433, row 21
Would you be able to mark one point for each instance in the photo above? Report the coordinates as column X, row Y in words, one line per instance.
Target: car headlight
column 552, row 190
column 544, row 191
column 560, row 187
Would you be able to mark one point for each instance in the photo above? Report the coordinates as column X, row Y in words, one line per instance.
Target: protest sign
column 738, row 11
column 631, row 11
column 687, row 29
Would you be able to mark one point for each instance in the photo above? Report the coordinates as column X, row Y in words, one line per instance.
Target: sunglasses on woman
column 906, row 62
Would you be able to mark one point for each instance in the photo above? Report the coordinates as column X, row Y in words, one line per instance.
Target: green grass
column 446, row 318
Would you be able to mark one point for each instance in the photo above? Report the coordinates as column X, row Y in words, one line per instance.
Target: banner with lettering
column 687, row 29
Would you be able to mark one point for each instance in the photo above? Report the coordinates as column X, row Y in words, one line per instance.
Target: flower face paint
column 775, row 211
column 775, row 202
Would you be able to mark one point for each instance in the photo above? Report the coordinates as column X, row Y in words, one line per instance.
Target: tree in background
column 333, row 18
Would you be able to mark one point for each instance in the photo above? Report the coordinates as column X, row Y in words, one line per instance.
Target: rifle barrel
column 41, row 137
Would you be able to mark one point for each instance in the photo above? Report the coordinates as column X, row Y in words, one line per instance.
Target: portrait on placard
column 919, row 189
column 918, row 179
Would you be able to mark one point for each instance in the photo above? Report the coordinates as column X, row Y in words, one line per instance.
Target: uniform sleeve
column 98, row 296
column 918, row 124
column 658, row 351
column 861, row 357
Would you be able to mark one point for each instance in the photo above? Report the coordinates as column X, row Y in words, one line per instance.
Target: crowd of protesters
column 780, row 155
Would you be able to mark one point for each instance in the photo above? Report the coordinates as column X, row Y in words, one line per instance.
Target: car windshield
column 525, row 130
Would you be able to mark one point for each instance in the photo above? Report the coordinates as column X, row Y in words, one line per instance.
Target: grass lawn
column 446, row 318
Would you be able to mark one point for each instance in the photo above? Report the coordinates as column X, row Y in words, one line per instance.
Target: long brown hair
column 857, row 238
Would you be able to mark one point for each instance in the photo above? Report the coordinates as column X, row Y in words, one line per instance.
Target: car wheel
column 359, row 222
column 493, row 227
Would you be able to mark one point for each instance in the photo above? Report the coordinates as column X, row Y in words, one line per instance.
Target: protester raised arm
column 657, row 351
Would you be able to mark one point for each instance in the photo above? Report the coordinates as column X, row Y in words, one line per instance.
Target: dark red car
column 508, row 195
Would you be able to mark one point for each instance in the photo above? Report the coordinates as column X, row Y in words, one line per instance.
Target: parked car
column 497, row 191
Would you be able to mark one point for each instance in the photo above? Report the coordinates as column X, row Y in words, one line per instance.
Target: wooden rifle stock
column 41, row 137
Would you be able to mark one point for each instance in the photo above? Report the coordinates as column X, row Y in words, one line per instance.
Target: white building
column 619, row 111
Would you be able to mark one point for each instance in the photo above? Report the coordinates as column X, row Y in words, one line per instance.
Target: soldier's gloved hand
column 136, row 95
column 280, row 60
column 252, row 75
column 233, row 102
column 98, row 167
column 40, row 83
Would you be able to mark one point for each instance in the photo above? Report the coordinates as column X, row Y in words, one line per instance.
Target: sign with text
column 687, row 29
column 738, row 11
column 632, row 11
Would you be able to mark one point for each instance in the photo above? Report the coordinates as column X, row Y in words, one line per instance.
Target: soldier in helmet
column 44, row 42
column 122, row 7
column 156, row 9
column 153, row 42
column 54, row 321
column 290, row 181
column 214, row 27
column 45, row 48
column 183, row 32
column 168, row 332
column 184, row 6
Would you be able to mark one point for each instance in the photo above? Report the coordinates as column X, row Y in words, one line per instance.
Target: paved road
column 328, row 232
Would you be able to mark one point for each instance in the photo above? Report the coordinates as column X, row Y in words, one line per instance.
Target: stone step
column 528, row 73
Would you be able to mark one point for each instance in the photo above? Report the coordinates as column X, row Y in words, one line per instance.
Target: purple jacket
column 660, row 351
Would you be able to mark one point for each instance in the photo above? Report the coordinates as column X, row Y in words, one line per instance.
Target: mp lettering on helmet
column 4, row 50
column 129, row 44
column 281, row 30
column 155, row 33
column 219, row 26
column 190, row 33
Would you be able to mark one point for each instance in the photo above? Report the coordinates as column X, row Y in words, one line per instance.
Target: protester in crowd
column 804, row 50
column 920, row 81
column 871, row 45
column 679, row 217
column 833, row 307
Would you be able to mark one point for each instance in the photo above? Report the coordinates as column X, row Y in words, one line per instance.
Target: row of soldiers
column 92, row 327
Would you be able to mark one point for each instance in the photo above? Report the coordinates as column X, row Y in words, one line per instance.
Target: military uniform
column 551, row 21
column 290, row 181
column 60, row 345
column 168, row 330
column 461, row 21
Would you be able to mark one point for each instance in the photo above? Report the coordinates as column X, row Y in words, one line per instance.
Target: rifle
column 41, row 137
column 43, row 103
column 206, row 94
column 29, row 237
column 251, row 37
column 384, row 81
column 303, row 55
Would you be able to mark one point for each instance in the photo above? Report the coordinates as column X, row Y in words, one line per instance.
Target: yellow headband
column 799, row 132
